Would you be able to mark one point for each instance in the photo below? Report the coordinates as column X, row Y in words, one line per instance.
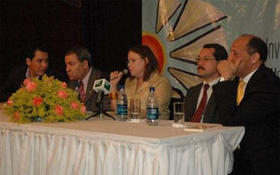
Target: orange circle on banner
column 156, row 47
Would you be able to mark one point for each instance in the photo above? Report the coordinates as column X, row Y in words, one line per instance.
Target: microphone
column 102, row 85
column 124, row 71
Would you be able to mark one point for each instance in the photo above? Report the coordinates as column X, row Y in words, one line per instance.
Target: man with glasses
column 199, row 103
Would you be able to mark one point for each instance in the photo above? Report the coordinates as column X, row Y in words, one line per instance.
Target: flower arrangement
column 46, row 100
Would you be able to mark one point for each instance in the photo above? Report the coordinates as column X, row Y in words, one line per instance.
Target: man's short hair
column 82, row 53
column 32, row 49
column 256, row 44
column 220, row 52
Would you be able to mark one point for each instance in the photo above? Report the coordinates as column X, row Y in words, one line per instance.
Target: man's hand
column 228, row 69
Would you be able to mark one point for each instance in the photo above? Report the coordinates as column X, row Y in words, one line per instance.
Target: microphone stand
column 99, row 105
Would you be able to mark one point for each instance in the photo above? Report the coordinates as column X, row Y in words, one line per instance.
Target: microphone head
column 102, row 85
column 125, row 71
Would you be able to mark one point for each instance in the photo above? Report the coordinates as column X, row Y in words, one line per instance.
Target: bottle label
column 152, row 113
column 121, row 109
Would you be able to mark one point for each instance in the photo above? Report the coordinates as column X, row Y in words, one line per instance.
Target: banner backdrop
column 176, row 30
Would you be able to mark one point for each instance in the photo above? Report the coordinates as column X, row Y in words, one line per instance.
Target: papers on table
column 200, row 127
column 178, row 125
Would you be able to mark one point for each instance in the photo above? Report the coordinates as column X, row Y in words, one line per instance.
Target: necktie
column 199, row 111
column 82, row 93
column 240, row 91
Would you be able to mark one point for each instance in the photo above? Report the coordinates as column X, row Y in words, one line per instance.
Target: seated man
column 82, row 75
column 36, row 66
column 199, row 103
column 248, row 95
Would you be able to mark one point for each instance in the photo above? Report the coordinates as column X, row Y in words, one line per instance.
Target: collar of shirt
column 248, row 77
column 209, row 93
column 85, row 79
column 27, row 75
column 209, row 90
column 213, row 82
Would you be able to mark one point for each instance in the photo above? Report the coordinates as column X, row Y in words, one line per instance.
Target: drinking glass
column 178, row 114
column 135, row 108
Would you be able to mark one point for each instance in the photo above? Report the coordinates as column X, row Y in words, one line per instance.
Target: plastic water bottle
column 122, row 104
column 152, row 111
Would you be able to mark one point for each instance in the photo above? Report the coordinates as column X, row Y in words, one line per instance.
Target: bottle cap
column 121, row 87
column 152, row 89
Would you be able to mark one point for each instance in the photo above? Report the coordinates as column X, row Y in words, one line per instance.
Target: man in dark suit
column 36, row 66
column 82, row 75
column 207, row 62
column 249, row 96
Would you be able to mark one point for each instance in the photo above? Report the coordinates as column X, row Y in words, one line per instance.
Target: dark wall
column 25, row 22
column 111, row 27
column 107, row 27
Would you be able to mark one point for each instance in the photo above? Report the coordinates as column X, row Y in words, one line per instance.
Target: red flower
column 62, row 94
column 83, row 109
column 58, row 110
column 64, row 85
column 37, row 101
column 10, row 102
column 74, row 105
column 26, row 81
column 31, row 86
column 16, row 115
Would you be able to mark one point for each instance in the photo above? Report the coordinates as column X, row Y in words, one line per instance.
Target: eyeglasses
column 132, row 60
column 204, row 59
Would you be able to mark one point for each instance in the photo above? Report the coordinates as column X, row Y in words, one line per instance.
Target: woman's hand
column 115, row 77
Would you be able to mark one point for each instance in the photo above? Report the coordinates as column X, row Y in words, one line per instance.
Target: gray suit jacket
column 210, row 113
column 91, row 95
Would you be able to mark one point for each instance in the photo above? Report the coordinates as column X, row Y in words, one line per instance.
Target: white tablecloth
column 114, row 148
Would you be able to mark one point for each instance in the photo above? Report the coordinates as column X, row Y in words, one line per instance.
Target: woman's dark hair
column 146, row 52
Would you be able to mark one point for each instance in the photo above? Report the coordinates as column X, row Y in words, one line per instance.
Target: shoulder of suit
column 265, row 78
column 196, row 86
column 270, row 72
column 265, row 74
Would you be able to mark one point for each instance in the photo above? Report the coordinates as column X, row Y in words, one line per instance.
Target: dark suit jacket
column 91, row 95
column 259, row 112
column 210, row 114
